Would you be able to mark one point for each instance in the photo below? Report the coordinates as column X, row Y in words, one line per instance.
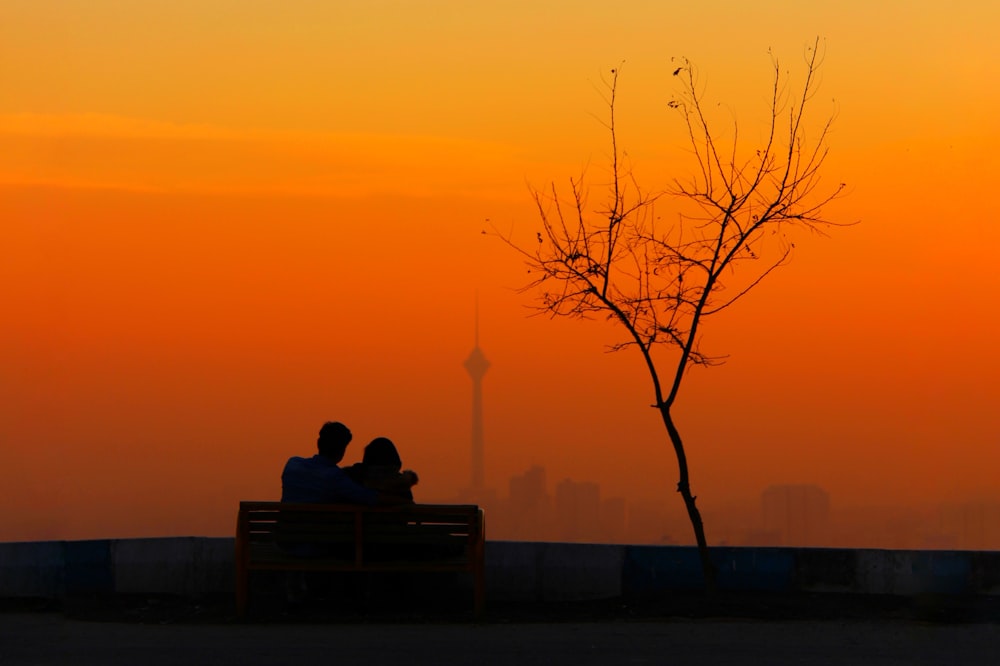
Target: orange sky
column 223, row 223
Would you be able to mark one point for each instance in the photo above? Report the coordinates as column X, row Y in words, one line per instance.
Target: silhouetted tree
column 662, row 280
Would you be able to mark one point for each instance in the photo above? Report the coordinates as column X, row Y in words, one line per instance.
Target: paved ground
column 42, row 638
column 373, row 628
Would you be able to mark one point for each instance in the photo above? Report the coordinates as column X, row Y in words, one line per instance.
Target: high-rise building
column 528, row 508
column 528, row 491
column 477, row 365
column 578, row 510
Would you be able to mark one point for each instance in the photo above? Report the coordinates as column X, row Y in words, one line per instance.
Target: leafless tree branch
column 662, row 282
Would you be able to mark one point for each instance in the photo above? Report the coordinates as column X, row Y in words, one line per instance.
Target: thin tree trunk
column 684, row 488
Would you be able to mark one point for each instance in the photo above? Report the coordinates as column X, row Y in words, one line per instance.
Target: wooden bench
column 279, row 536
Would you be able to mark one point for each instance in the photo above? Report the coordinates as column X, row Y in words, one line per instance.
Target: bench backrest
column 352, row 530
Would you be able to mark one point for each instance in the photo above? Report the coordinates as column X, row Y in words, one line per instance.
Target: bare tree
column 662, row 281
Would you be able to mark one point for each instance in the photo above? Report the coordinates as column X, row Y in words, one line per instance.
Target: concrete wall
column 515, row 571
column 187, row 566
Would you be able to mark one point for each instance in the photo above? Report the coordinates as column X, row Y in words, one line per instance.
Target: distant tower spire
column 477, row 365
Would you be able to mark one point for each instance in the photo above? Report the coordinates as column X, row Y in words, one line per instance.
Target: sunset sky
column 223, row 223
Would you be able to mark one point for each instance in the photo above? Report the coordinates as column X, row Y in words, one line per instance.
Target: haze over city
column 223, row 225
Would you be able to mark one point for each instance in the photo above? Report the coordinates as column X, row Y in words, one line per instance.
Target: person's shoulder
column 355, row 472
column 298, row 462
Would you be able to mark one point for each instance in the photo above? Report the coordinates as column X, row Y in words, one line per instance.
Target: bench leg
column 479, row 592
column 242, row 593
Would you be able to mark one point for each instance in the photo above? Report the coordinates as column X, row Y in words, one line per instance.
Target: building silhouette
column 528, row 508
column 578, row 510
column 796, row 514
column 973, row 525
column 477, row 365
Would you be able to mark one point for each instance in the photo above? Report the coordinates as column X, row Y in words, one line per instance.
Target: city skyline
column 783, row 515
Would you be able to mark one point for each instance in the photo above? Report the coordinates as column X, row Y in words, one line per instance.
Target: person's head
column 382, row 452
column 333, row 440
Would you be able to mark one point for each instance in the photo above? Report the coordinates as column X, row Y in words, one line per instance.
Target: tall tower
column 477, row 365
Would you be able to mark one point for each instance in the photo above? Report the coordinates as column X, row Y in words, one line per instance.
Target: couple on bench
column 377, row 480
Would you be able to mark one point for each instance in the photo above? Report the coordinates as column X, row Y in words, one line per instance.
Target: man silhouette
column 318, row 480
